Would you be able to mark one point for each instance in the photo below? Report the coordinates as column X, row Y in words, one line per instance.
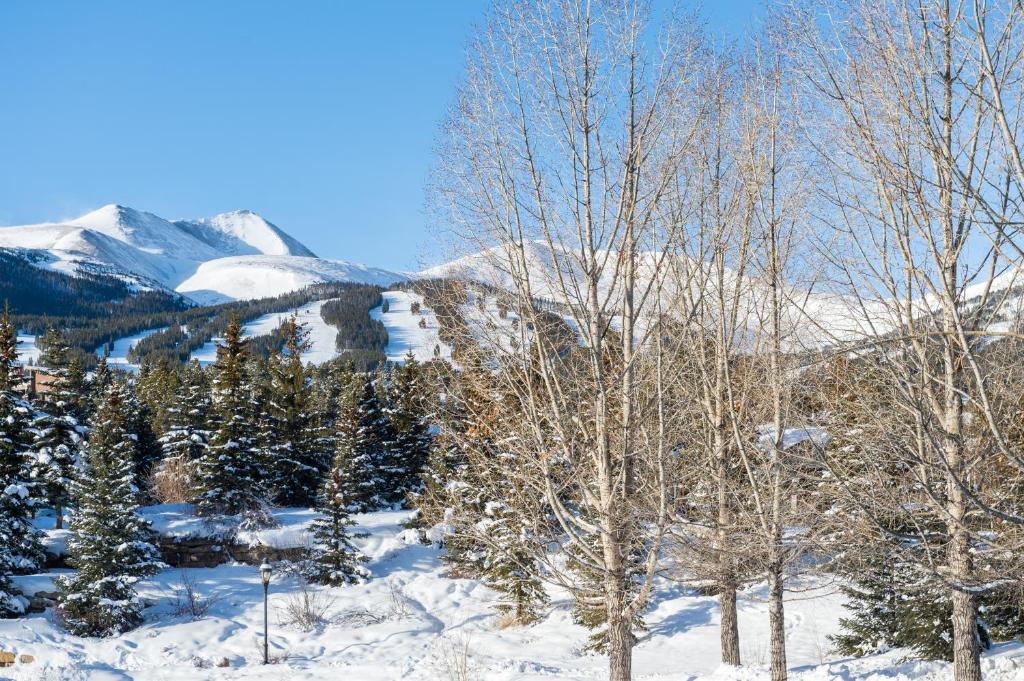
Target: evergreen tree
column 228, row 474
column 59, row 433
column 109, row 543
column 20, row 548
column 408, row 452
column 510, row 565
column 353, row 467
column 362, row 440
column 157, row 388
column 333, row 559
column 297, row 464
column 187, row 436
column 139, row 422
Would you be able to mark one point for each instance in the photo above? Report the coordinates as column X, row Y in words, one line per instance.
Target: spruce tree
column 408, row 452
column 510, row 564
column 187, row 436
column 352, row 469
column 59, row 432
column 365, row 448
column 297, row 464
column 109, row 544
column 228, row 474
column 139, row 421
column 333, row 559
column 20, row 548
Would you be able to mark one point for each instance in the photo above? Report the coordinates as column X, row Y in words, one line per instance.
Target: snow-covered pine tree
column 510, row 564
column 297, row 464
column 58, row 430
column 228, row 474
column 329, row 381
column 361, row 435
column 157, row 387
column 353, row 466
column 188, row 435
column 139, row 422
column 20, row 548
column 333, row 559
column 406, row 411
column 109, row 543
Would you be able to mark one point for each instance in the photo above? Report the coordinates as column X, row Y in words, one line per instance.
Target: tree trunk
column 776, row 622
column 620, row 635
column 58, row 512
column 966, row 647
column 729, row 626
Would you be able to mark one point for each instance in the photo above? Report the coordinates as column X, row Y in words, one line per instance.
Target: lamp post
column 265, row 576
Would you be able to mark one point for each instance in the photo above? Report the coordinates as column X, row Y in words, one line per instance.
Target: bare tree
column 922, row 184
column 568, row 139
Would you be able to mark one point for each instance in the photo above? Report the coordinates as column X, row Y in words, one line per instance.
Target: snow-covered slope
column 250, row 276
column 243, row 232
column 405, row 334
column 231, row 256
column 413, row 620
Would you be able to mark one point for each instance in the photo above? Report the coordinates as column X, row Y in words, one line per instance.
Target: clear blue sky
column 320, row 115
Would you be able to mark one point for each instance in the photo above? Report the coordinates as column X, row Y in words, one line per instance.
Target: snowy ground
column 410, row 617
column 321, row 334
column 122, row 346
column 404, row 332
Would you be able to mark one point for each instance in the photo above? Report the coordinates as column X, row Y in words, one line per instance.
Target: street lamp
column 265, row 576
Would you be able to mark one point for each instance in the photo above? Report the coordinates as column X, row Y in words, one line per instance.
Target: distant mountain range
column 231, row 256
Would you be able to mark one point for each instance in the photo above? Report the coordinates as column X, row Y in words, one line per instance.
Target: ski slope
column 408, row 621
column 321, row 334
column 120, row 348
column 404, row 332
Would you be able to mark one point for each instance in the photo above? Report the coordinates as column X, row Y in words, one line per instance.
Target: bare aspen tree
column 568, row 138
column 711, row 281
column 921, row 174
column 766, row 433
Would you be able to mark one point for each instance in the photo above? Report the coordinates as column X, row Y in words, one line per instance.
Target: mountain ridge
column 229, row 256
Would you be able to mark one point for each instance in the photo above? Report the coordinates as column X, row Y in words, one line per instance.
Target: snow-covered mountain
column 230, row 256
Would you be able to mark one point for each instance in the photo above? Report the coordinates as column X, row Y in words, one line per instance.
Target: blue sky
column 320, row 115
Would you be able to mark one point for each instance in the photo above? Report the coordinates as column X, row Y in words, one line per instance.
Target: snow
column 404, row 332
column 248, row 277
column 791, row 437
column 28, row 353
column 120, row 348
column 321, row 334
column 231, row 256
column 410, row 615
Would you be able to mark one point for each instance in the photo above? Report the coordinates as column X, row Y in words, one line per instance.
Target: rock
column 6, row 659
column 223, row 662
column 26, row 659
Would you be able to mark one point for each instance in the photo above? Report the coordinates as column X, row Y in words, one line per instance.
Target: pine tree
column 365, row 449
column 20, row 548
column 109, row 543
column 352, row 469
column 333, row 559
column 297, row 464
column 59, row 433
column 228, row 474
column 408, row 452
column 510, row 564
column 139, row 421
column 157, row 386
column 187, row 436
